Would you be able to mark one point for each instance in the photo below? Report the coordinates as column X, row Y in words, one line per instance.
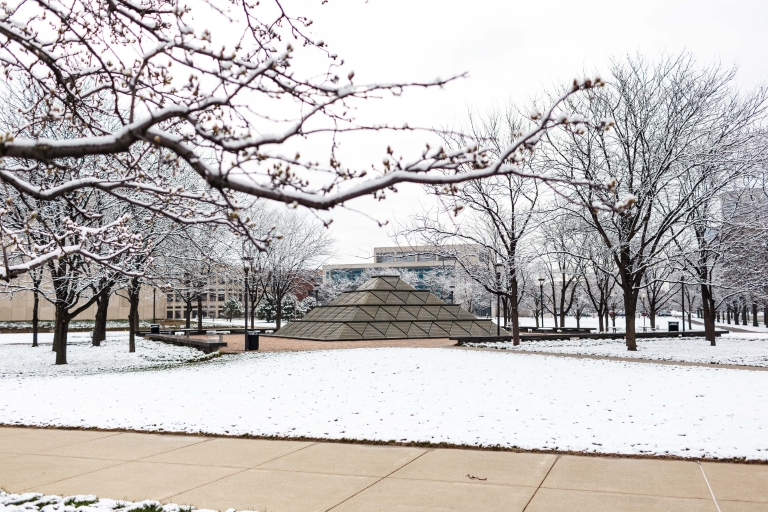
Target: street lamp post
column 541, row 299
column 498, row 299
column 246, row 262
column 682, row 293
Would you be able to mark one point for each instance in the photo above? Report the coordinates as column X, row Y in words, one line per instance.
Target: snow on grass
column 738, row 349
column 73, row 325
column 32, row 502
column 84, row 359
column 478, row 398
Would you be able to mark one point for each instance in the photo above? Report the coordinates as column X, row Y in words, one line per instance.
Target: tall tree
column 664, row 115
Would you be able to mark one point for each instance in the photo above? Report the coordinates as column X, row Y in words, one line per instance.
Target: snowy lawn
column 73, row 325
column 33, row 502
column 112, row 356
column 734, row 348
column 426, row 395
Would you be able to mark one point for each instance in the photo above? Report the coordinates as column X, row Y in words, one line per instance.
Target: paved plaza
column 236, row 343
column 298, row 476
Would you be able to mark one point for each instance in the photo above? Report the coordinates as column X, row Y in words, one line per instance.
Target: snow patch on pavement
column 477, row 398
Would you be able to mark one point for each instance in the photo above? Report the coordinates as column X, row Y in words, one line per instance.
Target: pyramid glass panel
column 386, row 307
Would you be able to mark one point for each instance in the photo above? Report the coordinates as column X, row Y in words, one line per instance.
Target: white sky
column 511, row 50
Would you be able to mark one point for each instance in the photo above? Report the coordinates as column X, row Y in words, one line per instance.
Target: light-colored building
column 17, row 307
column 421, row 259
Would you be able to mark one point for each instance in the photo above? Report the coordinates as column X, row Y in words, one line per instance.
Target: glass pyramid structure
column 386, row 307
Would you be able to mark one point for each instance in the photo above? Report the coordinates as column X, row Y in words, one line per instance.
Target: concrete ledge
column 184, row 341
column 461, row 340
column 615, row 336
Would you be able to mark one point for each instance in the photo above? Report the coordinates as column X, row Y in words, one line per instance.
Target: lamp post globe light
column 541, row 299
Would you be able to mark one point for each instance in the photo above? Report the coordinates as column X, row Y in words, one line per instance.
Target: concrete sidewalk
column 278, row 476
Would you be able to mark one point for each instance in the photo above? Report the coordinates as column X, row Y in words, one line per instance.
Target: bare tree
column 667, row 119
column 560, row 262
column 131, row 80
column 290, row 261
column 494, row 215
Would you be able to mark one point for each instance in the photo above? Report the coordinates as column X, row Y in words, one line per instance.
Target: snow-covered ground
column 33, row 502
column 735, row 348
column 73, row 325
column 593, row 322
column 409, row 394
column 23, row 361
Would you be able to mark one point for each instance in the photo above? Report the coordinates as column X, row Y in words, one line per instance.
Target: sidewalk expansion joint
column 376, row 482
column 717, row 505
column 557, row 459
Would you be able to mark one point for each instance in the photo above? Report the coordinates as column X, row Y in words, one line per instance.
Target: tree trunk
column 278, row 313
column 100, row 324
column 630, row 309
column 187, row 314
column 133, row 312
column 562, row 302
column 744, row 314
column 754, row 316
column 514, row 312
column 708, row 310
column 61, row 327
column 652, row 316
column 35, row 316
column 600, row 321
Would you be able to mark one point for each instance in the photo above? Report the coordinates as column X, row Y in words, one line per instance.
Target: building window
column 221, row 297
column 169, row 314
column 169, row 297
column 406, row 257
column 427, row 257
column 385, row 257
column 178, row 314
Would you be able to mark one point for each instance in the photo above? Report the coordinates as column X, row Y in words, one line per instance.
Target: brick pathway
column 298, row 476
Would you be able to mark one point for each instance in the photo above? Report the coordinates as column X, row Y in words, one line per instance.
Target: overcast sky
column 511, row 50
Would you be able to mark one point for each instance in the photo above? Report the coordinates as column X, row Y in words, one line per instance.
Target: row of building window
column 179, row 313
column 213, row 297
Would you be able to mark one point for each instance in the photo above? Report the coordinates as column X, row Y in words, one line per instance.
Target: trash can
column 154, row 328
column 252, row 343
column 673, row 326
